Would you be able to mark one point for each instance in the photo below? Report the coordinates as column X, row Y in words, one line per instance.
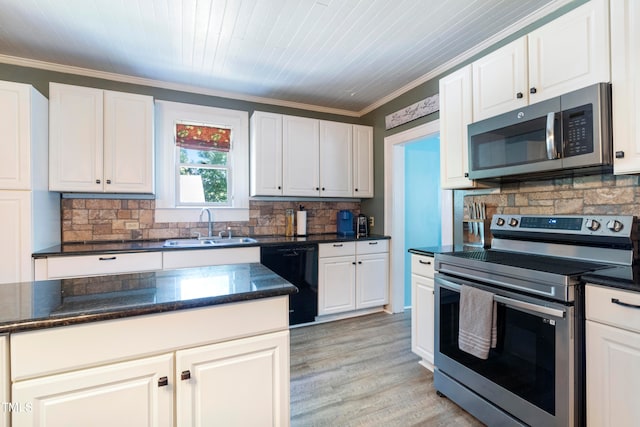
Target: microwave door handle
column 552, row 152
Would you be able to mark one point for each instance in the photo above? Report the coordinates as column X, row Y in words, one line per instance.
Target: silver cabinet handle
column 552, row 152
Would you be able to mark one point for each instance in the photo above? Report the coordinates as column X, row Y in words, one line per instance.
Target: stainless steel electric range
column 535, row 374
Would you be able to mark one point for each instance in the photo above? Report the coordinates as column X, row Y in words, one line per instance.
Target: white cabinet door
column 455, row 115
column 15, row 149
column 4, row 379
column 613, row 376
column 570, row 52
column 500, row 80
column 121, row 394
column 336, row 159
column 362, row 161
column 625, row 79
column 422, row 318
column 300, row 148
column 336, row 284
column 372, row 283
column 266, row 154
column 237, row 383
column 128, row 143
column 75, row 138
column 15, row 228
column 99, row 264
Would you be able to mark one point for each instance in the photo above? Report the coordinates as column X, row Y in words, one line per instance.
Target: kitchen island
column 156, row 348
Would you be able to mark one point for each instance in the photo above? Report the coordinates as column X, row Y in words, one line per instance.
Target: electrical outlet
column 371, row 222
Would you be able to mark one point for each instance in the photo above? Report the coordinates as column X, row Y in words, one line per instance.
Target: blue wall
column 422, row 201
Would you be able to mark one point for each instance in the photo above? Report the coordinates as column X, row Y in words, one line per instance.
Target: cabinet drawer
column 602, row 307
column 372, row 246
column 93, row 265
column 422, row 265
column 336, row 249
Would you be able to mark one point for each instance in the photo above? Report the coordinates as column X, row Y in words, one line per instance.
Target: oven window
column 523, row 361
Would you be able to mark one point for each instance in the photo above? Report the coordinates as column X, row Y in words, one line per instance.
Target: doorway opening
column 395, row 211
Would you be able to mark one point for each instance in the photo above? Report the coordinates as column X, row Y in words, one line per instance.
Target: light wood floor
column 361, row 372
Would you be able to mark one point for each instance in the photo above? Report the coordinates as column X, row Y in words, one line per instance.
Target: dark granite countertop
column 150, row 246
column 432, row 250
column 51, row 303
column 624, row 277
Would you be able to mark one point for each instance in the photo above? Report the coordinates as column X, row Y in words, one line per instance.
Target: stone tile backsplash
column 596, row 194
column 101, row 220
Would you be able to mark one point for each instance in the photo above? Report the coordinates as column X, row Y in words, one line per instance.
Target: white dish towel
column 478, row 324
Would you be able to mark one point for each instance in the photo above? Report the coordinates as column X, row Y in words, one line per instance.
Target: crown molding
column 512, row 29
column 87, row 72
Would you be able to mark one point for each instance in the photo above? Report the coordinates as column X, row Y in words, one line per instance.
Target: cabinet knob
column 619, row 154
column 97, row 181
column 356, row 189
column 185, row 375
column 519, row 95
column 108, row 181
column 317, row 188
column 466, row 174
column 279, row 187
column 163, row 381
column 533, row 90
column 354, row 263
column 359, row 262
column 322, row 188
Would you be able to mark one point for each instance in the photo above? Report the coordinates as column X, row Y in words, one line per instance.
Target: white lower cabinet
column 422, row 311
column 237, row 383
column 156, row 370
column 613, row 357
column 127, row 393
column 352, row 276
column 206, row 257
column 96, row 265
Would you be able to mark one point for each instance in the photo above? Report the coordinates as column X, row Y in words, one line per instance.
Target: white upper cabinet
column 299, row 156
column 500, row 81
column 266, row 154
column 566, row 54
column 625, row 79
column 455, row 116
column 362, row 161
column 336, row 159
column 15, row 127
column 570, row 52
column 100, row 141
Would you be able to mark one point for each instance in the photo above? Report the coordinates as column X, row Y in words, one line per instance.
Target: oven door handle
column 540, row 309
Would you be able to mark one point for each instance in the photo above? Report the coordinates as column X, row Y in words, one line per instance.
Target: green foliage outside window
column 212, row 168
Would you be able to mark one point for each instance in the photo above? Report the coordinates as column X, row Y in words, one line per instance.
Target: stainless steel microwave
column 569, row 135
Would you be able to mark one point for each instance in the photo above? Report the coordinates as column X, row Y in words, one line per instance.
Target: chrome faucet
column 228, row 233
column 209, row 220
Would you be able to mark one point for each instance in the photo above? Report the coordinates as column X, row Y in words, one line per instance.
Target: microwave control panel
column 577, row 131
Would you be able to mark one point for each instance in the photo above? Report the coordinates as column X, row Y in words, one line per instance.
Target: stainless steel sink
column 204, row 242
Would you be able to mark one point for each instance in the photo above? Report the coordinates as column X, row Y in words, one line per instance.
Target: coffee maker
column 345, row 223
column 362, row 225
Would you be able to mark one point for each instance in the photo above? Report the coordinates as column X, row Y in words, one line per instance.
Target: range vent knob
column 614, row 225
column 500, row 222
column 593, row 225
column 513, row 222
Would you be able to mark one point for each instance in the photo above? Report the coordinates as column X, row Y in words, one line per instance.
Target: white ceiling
column 345, row 56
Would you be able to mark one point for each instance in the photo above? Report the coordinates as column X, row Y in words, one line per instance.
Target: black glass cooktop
column 547, row 264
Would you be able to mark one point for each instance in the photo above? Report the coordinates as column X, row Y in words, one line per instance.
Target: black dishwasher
column 299, row 265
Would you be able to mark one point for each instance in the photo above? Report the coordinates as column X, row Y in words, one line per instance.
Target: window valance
column 203, row 138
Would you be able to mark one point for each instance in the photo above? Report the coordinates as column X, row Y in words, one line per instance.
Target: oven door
column 529, row 377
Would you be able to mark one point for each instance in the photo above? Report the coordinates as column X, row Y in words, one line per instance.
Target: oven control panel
column 597, row 225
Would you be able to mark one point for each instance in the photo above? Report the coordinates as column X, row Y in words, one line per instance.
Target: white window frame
column 167, row 114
